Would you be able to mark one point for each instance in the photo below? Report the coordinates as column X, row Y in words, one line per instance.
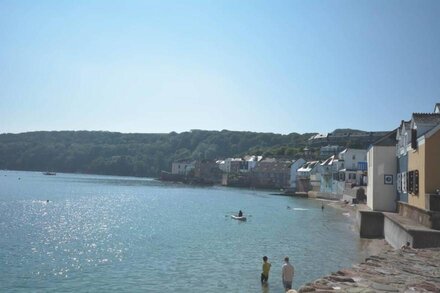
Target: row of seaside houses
column 345, row 169
column 404, row 170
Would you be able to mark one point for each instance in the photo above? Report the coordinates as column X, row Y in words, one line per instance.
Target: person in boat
column 240, row 213
column 266, row 269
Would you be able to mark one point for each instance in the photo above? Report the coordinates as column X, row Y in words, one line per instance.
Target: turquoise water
column 119, row 234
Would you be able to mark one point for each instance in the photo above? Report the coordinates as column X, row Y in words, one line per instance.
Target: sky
column 264, row 66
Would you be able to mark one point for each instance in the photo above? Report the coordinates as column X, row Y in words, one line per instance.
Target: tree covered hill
column 134, row 154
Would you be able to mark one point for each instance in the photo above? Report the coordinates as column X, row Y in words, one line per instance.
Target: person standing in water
column 287, row 274
column 240, row 213
column 266, row 269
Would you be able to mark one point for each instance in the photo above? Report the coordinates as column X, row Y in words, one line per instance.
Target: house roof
column 348, row 170
column 234, row 159
column 405, row 124
column 184, row 161
column 319, row 135
column 330, row 161
column 272, row 166
column 268, row 160
column 426, row 118
column 387, row 140
column 308, row 166
column 253, row 158
column 432, row 131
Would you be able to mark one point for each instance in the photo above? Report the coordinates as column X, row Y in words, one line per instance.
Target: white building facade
column 293, row 171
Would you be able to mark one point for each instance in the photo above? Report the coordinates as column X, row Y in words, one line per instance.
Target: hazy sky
column 266, row 66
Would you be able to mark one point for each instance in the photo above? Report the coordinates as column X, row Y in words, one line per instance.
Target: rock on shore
column 405, row 270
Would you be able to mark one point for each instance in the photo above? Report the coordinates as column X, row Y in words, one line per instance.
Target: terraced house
column 414, row 186
column 423, row 175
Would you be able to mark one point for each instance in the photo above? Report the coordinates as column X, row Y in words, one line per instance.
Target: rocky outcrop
column 406, row 270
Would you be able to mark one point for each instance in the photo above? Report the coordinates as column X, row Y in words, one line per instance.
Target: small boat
column 242, row 218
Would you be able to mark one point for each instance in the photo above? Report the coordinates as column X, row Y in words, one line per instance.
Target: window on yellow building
column 413, row 182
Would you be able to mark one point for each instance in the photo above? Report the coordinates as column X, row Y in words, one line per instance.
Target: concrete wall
column 381, row 161
column 394, row 234
column 423, row 239
column 397, row 233
column 371, row 224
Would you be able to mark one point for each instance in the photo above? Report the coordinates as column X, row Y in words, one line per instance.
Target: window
column 413, row 182
column 414, row 139
column 404, row 182
column 416, row 182
column 399, row 182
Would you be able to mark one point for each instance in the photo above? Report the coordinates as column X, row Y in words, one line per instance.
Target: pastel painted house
column 423, row 176
column 382, row 170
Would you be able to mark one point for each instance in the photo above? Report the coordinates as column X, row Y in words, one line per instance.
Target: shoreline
column 384, row 269
column 369, row 246
column 401, row 270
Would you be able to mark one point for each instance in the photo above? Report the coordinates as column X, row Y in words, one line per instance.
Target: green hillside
column 134, row 154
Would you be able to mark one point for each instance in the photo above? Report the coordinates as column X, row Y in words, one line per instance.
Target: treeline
column 113, row 153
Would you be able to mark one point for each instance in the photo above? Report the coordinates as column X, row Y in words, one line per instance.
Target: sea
column 91, row 233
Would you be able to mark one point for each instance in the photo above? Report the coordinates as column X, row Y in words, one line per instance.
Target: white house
column 329, row 174
column 354, row 165
column 382, row 172
column 352, row 157
column 329, row 150
column 251, row 162
column 232, row 165
column 308, row 177
column 306, row 169
column 293, row 171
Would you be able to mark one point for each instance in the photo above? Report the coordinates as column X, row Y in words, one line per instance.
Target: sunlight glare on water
column 104, row 233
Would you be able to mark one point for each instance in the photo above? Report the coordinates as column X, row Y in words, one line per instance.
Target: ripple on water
column 103, row 234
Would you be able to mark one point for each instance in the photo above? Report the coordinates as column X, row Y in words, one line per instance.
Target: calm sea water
column 119, row 234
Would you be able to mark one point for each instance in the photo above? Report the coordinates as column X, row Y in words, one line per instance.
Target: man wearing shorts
column 287, row 274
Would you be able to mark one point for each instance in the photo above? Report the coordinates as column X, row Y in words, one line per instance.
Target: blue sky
column 266, row 66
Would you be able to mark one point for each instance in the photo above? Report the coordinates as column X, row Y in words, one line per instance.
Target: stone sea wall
column 405, row 270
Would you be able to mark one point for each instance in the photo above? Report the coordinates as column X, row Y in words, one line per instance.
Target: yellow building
column 423, row 176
